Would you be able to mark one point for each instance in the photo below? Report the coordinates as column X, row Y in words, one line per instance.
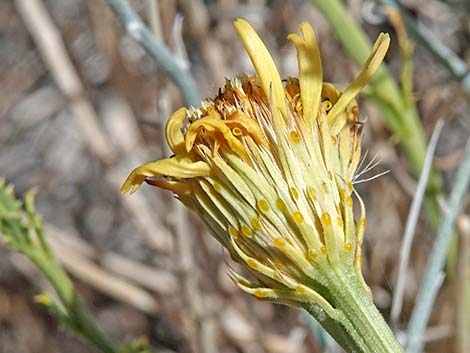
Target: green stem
column 344, row 337
column 359, row 327
column 88, row 329
column 358, row 306
column 79, row 317
column 357, row 44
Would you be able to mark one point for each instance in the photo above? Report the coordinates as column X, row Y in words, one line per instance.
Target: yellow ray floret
column 371, row 65
column 173, row 133
column 264, row 65
column 269, row 169
column 247, row 125
column 176, row 167
column 310, row 71
column 209, row 124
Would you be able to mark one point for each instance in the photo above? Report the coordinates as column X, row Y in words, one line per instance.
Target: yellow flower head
column 269, row 164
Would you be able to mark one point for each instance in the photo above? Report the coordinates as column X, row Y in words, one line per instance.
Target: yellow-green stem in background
column 398, row 109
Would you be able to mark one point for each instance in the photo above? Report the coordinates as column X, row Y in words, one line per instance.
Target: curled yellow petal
column 178, row 187
column 330, row 92
column 263, row 63
column 368, row 70
column 213, row 125
column 173, row 133
column 310, row 71
column 176, row 167
column 242, row 121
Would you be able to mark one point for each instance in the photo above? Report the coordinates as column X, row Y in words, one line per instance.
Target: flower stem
column 359, row 326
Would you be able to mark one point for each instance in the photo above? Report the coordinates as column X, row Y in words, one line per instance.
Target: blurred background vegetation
column 81, row 104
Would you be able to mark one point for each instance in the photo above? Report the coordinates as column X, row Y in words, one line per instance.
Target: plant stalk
column 359, row 327
column 80, row 318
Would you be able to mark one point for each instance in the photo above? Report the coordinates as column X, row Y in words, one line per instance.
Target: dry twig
column 84, row 269
column 49, row 42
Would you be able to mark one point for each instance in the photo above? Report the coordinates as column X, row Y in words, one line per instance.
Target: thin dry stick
column 410, row 228
column 141, row 211
column 158, row 281
column 434, row 275
column 443, row 54
column 104, row 281
column 49, row 42
column 153, row 12
column 179, row 225
column 187, row 269
column 202, row 328
column 211, row 51
column 125, row 135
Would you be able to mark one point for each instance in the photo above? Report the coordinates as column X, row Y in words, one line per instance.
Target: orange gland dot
column 348, row 247
column 294, row 136
column 279, row 243
column 312, row 254
column 217, row 187
column 256, row 224
column 263, row 205
column 340, row 222
column 278, row 263
column 246, row 231
column 323, row 250
column 280, row 205
column 237, row 131
column 311, row 194
column 326, row 219
column 260, row 293
column 362, row 222
column 333, row 140
column 300, row 289
column 252, row 264
column 294, row 193
column 297, row 216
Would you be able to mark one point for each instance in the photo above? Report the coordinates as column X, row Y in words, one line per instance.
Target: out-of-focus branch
column 49, row 42
column 179, row 224
column 23, row 231
column 156, row 280
column 438, row 50
column 411, row 227
column 198, row 22
column 404, row 123
column 136, row 28
column 116, row 287
column 434, row 271
column 198, row 329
